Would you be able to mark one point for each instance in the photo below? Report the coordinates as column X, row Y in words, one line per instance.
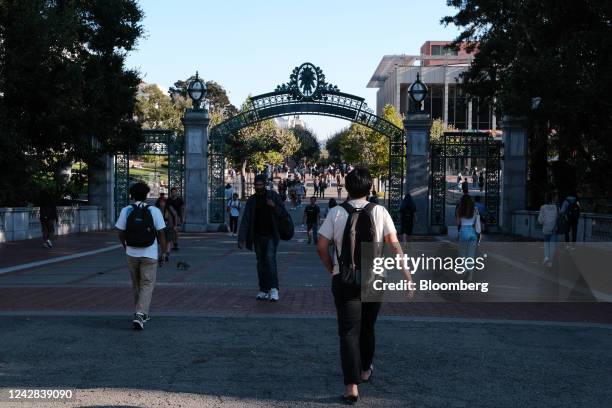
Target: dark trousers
column 233, row 224
column 356, row 322
column 573, row 227
column 265, row 250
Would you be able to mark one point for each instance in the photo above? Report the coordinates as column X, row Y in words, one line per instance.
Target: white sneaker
column 274, row 295
column 49, row 243
column 263, row 296
column 545, row 261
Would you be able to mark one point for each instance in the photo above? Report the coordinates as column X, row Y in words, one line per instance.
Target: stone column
column 513, row 170
column 417, row 127
column 196, row 170
column 101, row 188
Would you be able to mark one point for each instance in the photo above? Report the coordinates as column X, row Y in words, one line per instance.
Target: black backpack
column 573, row 211
column 140, row 228
column 359, row 228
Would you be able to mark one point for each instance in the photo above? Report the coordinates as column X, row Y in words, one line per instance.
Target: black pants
column 573, row 227
column 265, row 251
column 233, row 224
column 356, row 322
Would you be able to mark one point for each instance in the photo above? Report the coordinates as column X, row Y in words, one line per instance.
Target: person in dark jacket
column 407, row 215
column 48, row 218
column 259, row 231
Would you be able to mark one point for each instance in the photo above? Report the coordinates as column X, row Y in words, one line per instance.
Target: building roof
column 386, row 64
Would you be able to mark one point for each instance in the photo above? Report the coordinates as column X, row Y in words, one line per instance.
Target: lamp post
column 418, row 91
column 196, row 91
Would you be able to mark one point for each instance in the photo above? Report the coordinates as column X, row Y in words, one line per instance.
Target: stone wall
column 591, row 227
column 23, row 222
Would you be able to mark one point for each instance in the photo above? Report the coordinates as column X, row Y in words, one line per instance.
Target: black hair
column 173, row 189
column 466, row 207
column 332, row 203
column 358, row 182
column 139, row 191
column 260, row 177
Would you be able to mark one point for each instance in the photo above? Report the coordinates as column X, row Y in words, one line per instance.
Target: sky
column 251, row 47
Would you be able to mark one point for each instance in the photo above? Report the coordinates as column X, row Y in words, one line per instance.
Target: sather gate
column 306, row 93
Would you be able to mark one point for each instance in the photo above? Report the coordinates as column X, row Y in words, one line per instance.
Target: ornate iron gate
column 163, row 142
column 464, row 145
column 306, row 93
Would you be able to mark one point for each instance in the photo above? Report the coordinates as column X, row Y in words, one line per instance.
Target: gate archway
column 306, row 93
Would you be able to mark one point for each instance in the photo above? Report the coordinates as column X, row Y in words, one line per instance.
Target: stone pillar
column 101, row 188
column 417, row 127
column 196, row 170
column 513, row 170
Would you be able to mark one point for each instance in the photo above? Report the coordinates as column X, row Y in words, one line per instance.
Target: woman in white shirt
column 469, row 220
column 233, row 206
column 548, row 216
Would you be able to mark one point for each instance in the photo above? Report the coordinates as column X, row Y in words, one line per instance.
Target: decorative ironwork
column 161, row 142
column 465, row 145
column 306, row 93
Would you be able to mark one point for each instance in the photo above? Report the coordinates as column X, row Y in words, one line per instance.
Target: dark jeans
column 233, row 224
column 573, row 227
column 356, row 322
column 265, row 250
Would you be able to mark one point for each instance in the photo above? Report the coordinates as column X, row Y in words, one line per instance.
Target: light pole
column 418, row 91
column 196, row 91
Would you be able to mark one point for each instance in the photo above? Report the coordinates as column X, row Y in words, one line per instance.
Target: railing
column 591, row 227
column 24, row 222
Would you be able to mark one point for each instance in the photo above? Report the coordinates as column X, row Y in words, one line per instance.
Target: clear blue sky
column 251, row 47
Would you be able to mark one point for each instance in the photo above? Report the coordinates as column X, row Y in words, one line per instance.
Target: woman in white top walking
column 469, row 220
column 548, row 216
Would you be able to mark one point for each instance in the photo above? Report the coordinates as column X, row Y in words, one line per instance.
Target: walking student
column 407, row 216
column 356, row 318
column 48, row 218
column 141, row 229
column 312, row 217
column 178, row 205
column 548, row 216
column 259, row 231
column 233, row 207
column 570, row 210
column 468, row 220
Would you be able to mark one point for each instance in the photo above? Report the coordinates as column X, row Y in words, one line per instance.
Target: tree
column 557, row 51
column 155, row 109
column 364, row 146
column 333, row 147
column 309, row 145
column 437, row 130
column 65, row 95
column 251, row 144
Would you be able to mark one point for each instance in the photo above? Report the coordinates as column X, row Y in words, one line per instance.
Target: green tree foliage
column 363, row 146
column 309, row 145
column 254, row 144
column 155, row 109
column 332, row 145
column 65, row 94
column 558, row 51
column 437, row 130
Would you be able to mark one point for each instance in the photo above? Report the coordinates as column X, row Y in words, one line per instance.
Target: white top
column 158, row 222
column 548, row 218
column 234, row 206
column 335, row 221
column 229, row 192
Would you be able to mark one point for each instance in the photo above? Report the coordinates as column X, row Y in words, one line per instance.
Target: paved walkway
column 210, row 343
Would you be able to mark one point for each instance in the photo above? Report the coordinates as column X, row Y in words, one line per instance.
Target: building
column 440, row 68
column 290, row 122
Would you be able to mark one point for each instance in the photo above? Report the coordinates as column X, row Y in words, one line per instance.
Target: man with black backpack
column 264, row 223
column 570, row 214
column 347, row 226
column 141, row 228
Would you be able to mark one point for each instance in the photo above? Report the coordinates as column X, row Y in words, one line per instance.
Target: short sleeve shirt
column 311, row 212
column 176, row 203
column 158, row 222
column 333, row 226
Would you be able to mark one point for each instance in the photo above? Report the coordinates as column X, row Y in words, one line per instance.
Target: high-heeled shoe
column 350, row 399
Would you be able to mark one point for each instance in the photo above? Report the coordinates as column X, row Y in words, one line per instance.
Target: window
column 442, row 50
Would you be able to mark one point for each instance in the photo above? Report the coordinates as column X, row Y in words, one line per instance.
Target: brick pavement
column 221, row 280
